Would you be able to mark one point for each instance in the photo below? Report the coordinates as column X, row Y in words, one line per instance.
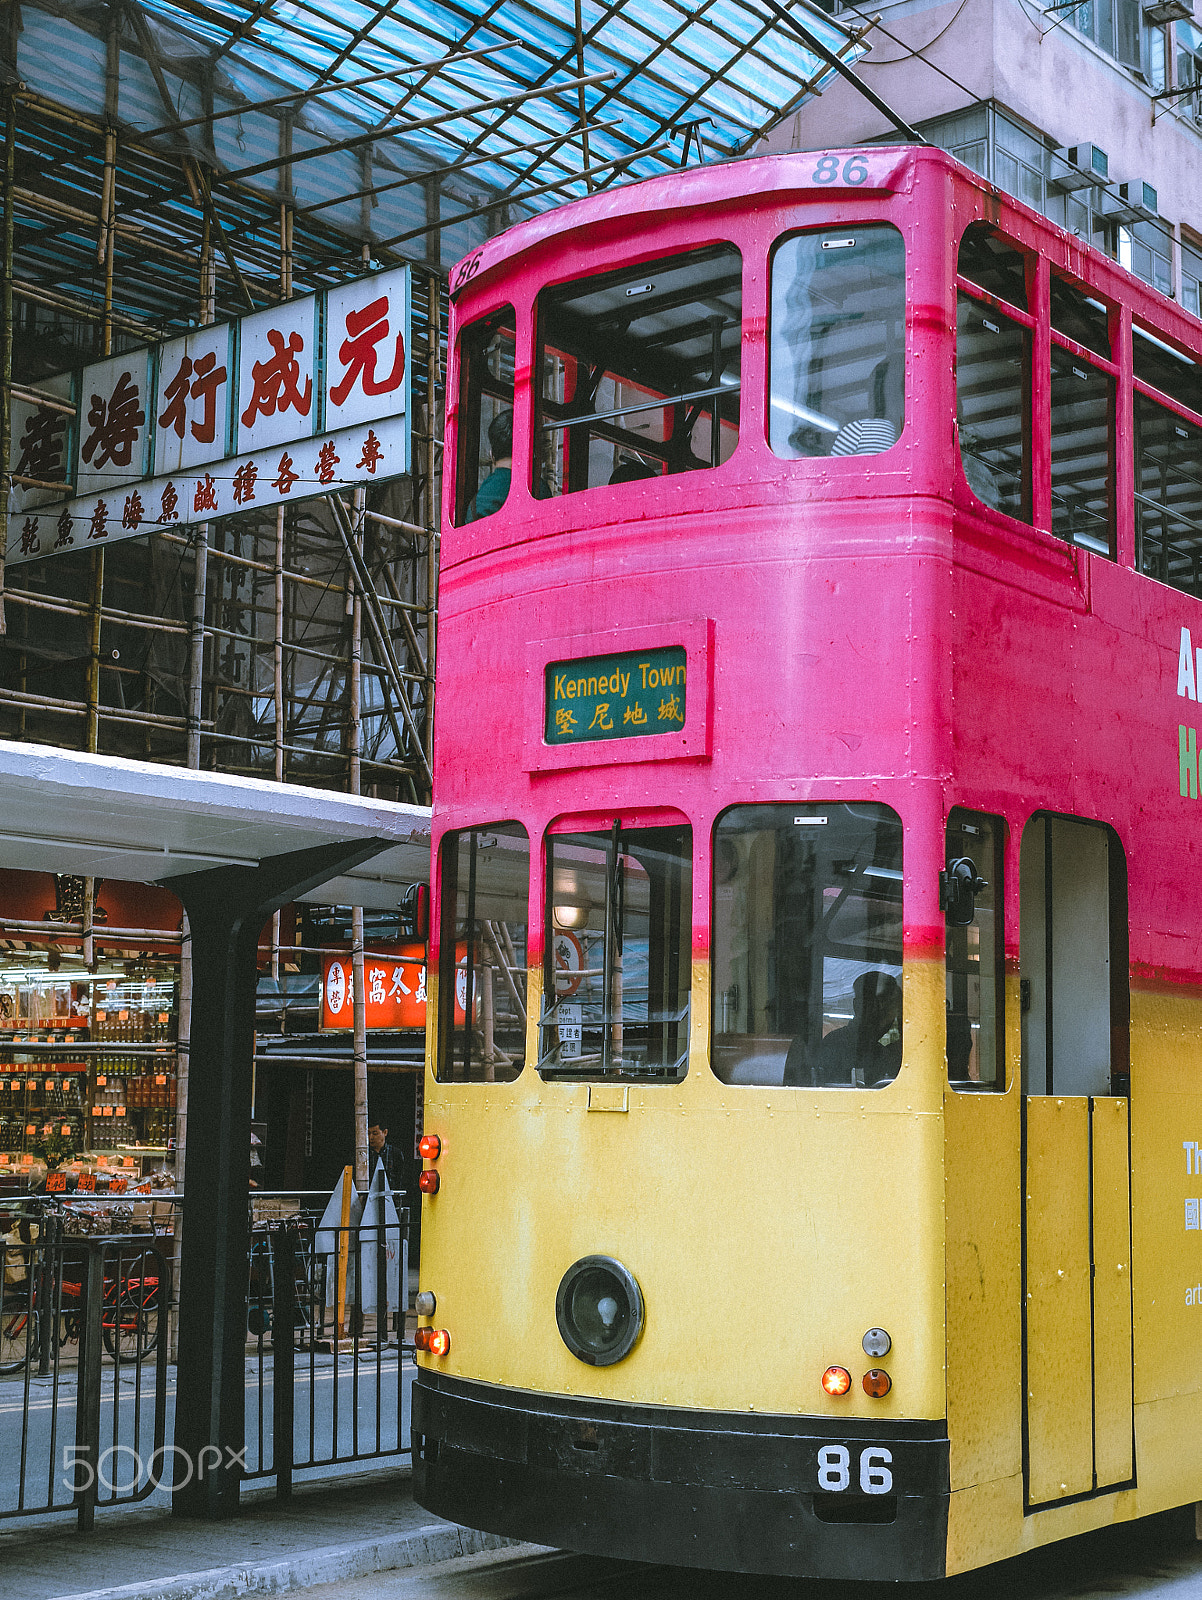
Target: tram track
column 1155, row 1559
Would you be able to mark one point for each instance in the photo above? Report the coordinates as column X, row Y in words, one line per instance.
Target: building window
column 1113, row 25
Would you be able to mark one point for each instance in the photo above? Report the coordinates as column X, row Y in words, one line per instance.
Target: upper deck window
column 987, row 260
column 616, row 985
column 807, row 945
column 485, row 440
column 640, row 372
column 1166, row 369
column 838, row 342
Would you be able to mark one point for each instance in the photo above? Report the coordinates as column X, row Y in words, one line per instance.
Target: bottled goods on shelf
column 116, row 1094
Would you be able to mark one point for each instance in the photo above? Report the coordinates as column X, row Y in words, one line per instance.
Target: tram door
column 1077, row 1355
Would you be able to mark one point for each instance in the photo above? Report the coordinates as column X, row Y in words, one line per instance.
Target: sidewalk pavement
column 323, row 1534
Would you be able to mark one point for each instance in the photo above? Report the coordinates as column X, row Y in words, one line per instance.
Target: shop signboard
column 307, row 397
column 394, row 983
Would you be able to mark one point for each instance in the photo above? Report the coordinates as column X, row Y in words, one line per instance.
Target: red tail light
column 836, row 1381
column 440, row 1342
column 429, row 1147
column 428, row 1181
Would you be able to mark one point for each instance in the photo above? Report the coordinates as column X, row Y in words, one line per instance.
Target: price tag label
column 106, row 1111
column 56, row 1183
column 160, row 1078
column 101, row 1080
column 570, row 1021
column 118, row 1185
column 49, row 1083
column 102, row 1016
column 87, row 1181
column 31, row 1083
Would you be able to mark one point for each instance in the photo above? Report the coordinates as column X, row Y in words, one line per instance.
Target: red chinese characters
column 115, row 423
column 194, row 380
column 276, row 384
column 366, row 330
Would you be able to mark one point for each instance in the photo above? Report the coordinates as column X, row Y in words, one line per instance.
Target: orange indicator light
column 836, row 1380
column 421, row 1339
column 428, row 1181
column 429, row 1147
column 440, row 1342
column 877, row 1383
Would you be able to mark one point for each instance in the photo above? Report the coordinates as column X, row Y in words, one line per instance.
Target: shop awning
column 101, row 817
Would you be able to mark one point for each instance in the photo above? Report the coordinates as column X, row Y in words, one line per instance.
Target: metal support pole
column 227, row 907
column 87, row 1404
column 281, row 728
column 95, row 619
column 200, row 582
column 434, row 334
column 355, row 729
column 284, row 1247
column 6, row 424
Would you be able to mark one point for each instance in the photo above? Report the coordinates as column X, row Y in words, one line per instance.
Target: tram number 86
column 834, row 1469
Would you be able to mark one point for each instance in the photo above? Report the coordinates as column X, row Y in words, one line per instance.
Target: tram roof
column 99, row 816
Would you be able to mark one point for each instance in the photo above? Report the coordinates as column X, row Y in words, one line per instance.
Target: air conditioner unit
column 1130, row 202
column 1081, row 166
column 1161, row 11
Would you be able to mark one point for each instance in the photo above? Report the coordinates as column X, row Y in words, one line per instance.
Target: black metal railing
column 327, row 1309
column 83, row 1360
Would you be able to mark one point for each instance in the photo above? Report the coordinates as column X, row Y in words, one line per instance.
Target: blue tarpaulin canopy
column 386, row 128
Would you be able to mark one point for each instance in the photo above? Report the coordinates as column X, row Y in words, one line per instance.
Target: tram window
column 485, row 435
column 1073, row 957
column 640, row 372
column 837, row 352
column 1080, row 318
column 987, row 260
column 485, row 890
column 616, row 985
column 1082, row 448
column 1168, row 497
column 1167, row 369
column 807, row 945
column 975, row 961
column 993, row 386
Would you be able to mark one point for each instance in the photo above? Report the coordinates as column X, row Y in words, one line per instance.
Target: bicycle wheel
column 130, row 1326
column 18, row 1338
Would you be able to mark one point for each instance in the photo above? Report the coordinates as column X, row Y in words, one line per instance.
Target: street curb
column 329, row 1564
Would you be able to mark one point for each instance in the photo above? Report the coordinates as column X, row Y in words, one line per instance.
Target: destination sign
column 615, row 697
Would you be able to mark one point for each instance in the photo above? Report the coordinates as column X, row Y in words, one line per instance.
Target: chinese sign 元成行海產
column 301, row 399
column 615, row 697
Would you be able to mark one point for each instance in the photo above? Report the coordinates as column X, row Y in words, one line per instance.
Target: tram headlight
column 599, row 1309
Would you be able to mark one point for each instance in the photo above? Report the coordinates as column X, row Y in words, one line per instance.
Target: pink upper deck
column 857, row 627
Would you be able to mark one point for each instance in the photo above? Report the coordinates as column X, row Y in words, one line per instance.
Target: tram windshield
column 616, row 987
column 838, row 342
column 485, row 886
column 640, row 372
column 807, row 945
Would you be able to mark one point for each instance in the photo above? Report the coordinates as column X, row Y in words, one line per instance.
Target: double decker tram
column 812, row 1184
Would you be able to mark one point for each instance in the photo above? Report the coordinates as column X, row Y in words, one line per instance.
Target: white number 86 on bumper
column 834, row 1469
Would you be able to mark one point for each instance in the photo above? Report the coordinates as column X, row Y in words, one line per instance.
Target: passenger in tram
column 865, row 1051
column 868, row 436
column 494, row 491
column 630, row 469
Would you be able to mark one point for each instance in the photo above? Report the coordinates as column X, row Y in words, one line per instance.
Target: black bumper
column 720, row 1490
